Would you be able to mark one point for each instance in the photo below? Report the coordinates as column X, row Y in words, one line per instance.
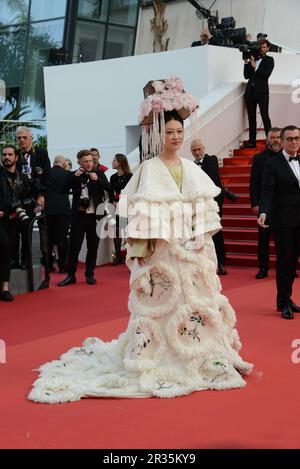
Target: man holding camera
column 257, row 71
column 16, row 192
column 88, row 187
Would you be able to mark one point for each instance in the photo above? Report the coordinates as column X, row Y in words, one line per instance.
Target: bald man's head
column 59, row 161
column 198, row 148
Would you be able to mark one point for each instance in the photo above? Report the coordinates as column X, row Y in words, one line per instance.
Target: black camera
column 84, row 177
column 84, row 203
column 250, row 51
column 22, row 207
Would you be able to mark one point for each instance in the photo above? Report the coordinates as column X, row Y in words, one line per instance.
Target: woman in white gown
column 181, row 334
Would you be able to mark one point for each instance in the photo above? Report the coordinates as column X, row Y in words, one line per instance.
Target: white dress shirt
column 294, row 165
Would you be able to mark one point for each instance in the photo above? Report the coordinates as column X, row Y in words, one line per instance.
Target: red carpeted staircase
column 239, row 223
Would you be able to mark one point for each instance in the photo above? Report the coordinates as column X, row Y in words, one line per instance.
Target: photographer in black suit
column 257, row 72
column 280, row 208
column 88, row 187
column 17, row 192
column 30, row 157
column 209, row 164
column 259, row 162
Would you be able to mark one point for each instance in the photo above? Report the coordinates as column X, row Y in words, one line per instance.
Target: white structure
column 97, row 103
column 280, row 20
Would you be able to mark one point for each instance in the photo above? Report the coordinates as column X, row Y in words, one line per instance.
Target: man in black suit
column 88, row 188
column 257, row 89
column 15, row 188
column 30, row 157
column 209, row 164
column 257, row 170
column 206, row 38
column 280, row 207
column 58, row 212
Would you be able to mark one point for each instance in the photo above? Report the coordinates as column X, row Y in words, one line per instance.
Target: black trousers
column 262, row 100
column 8, row 231
column 81, row 225
column 21, row 232
column 58, row 227
column 287, row 242
column 218, row 240
column 263, row 247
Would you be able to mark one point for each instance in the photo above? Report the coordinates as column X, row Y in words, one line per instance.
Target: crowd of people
column 67, row 201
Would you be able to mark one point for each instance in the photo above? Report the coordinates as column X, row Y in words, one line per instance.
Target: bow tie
column 199, row 163
column 294, row 158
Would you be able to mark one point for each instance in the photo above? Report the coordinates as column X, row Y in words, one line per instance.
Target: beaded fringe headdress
column 161, row 96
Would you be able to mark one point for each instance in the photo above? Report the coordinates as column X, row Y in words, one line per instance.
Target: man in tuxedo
column 209, row 164
column 88, row 187
column 257, row 170
column 280, row 207
column 257, row 72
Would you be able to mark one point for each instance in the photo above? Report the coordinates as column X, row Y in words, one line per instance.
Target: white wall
column 279, row 19
column 97, row 103
column 184, row 26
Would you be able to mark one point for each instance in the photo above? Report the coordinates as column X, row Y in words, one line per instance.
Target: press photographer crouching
column 19, row 198
column 88, row 186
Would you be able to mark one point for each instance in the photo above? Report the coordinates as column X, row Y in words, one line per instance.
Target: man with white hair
column 30, row 156
column 58, row 211
column 30, row 160
column 209, row 164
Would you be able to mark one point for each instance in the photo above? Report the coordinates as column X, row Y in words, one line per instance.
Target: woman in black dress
column 118, row 181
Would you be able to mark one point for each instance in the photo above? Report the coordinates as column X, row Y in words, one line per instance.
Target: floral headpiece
column 161, row 96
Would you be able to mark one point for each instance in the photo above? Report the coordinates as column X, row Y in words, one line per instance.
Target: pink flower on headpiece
column 174, row 83
column 159, row 86
column 157, row 104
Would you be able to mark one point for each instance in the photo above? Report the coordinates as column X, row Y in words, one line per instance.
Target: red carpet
column 39, row 327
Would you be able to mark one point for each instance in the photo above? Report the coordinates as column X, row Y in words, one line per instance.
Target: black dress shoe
column 250, row 145
column 231, row 196
column 15, row 265
column 262, row 273
column 6, row 296
column 222, row 270
column 70, row 280
column 294, row 307
column 286, row 312
column 90, row 280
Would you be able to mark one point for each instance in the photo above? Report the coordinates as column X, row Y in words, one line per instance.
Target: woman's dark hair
column 173, row 116
column 122, row 159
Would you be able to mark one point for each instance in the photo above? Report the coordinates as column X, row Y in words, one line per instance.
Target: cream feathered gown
column 181, row 334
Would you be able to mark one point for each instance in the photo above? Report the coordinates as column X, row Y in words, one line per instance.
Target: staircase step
column 245, row 247
column 236, row 169
column 230, row 221
column 237, row 209
column 247, row 151
column 261, row 143
column 237, row 160
column 243, row 199
column 238, row 188
column 250, row 234
column 235, row 179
